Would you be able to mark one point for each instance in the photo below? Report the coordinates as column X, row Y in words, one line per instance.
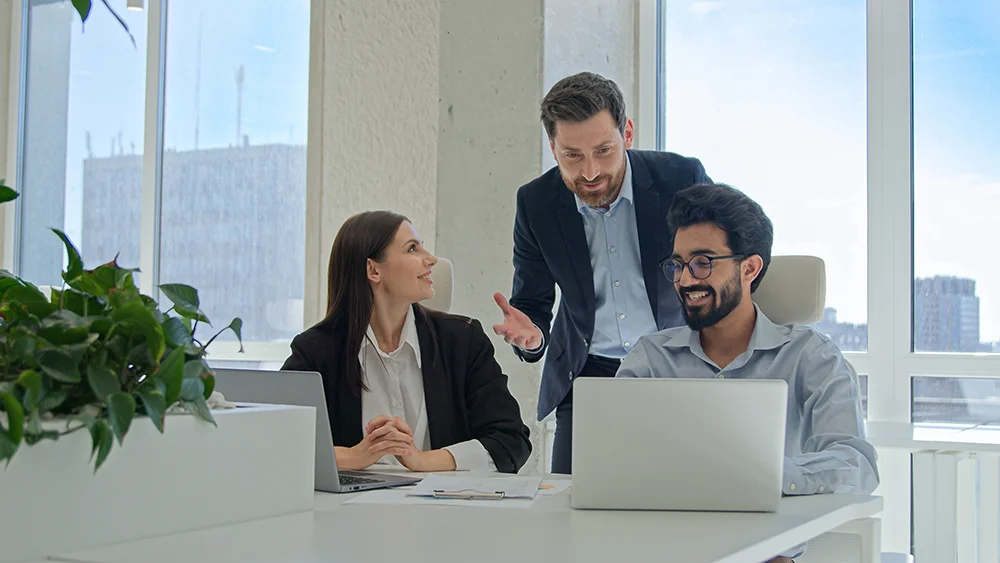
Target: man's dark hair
column 580, row 97
column 748, row 230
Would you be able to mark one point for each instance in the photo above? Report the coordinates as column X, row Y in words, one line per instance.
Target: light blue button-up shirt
column 825, row 446
column 623, row 314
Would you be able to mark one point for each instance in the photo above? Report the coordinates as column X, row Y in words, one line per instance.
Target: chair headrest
column 793, row 290
column 444, row 279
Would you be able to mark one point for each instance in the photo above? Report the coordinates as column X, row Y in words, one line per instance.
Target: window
column 956, row 400
column 771, row 95
column 234, row 170
column 956, row 176
column 232, row 187
column 81, row 149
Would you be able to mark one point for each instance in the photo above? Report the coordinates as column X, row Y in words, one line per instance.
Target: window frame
column 156, row 21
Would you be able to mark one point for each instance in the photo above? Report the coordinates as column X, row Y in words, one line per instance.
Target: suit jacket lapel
column 437, row 384
column 571, row 225
column 649, row 222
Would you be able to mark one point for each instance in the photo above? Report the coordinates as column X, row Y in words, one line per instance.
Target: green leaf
column 15, row 417
column 171, row 372
column 83, row 7
column 31, row 381
column 176, row 332
column 103, row 381
column 154, row 403
column 209, row 381
column 80, row 303
column 59, row 365
column 192, row 388
column 7, row 446
column 64, row 327
column 102, row 439
column 52, row 400
column 77, row 351
column 35, row 433
column 31, row 299
column 185, row 300
column 199, row 408
column 119, row 297
column 21, row 347
column 136, row 314
column 7, row 193
column 121, row 411
column 237, row 327
column 74, row 269
column 195, row 368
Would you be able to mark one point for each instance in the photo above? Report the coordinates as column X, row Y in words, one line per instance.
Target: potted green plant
column 95, row 354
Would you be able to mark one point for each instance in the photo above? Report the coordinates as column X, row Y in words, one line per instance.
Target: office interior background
column 227, row 145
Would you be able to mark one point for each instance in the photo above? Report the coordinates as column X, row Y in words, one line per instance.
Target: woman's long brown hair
column 349, row 295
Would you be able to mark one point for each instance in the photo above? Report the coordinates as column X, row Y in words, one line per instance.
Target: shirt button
column 627, row 343
column 621, row 316
column 618, row 283
column 612, row 249
column 821, row 489
column 791, row 487
column 722, row 376
column 571, row 375
column 607, row 213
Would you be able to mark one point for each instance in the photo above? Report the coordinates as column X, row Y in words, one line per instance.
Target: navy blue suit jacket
column 550, row 247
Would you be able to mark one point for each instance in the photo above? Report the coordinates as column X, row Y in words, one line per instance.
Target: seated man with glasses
column 722, row 248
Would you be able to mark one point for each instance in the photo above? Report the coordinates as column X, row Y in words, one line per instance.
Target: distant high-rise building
column 945, row 314
column 847, row 336
column 232, row 225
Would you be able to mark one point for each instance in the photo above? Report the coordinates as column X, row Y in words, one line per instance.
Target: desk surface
column 940, row 437
column 549, row 531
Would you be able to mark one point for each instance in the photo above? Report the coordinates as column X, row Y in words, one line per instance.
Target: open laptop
column 303, row 388
column 678, row 444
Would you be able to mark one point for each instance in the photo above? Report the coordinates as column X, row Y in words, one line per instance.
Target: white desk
column 549, row 531
column 944, row 458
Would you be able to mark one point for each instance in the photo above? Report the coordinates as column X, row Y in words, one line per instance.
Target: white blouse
column 397, row 389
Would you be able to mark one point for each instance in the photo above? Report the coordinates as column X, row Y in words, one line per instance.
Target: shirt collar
column 624, row 194
column 408, row 336
column 766, row 336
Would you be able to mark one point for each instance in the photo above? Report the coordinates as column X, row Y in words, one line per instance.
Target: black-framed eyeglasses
column 700, row 266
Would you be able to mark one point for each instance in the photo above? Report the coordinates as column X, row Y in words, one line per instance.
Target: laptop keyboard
column 352, row 480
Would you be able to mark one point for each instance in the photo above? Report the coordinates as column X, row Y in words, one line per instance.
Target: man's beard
column 730, row 297
column 597, row 199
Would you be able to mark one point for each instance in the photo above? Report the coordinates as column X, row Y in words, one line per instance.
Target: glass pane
column 234, row 171
column 964, row 400
column 956, row 175
column 770, row 95
column 82, row 138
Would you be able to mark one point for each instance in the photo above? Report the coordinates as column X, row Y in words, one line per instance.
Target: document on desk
column 476, row 488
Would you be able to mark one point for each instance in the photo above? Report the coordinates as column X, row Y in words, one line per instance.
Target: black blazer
column 550, row 247
column 465, row 391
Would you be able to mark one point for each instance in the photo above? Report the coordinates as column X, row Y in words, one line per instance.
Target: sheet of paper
column 513, row 487
column 399, row 496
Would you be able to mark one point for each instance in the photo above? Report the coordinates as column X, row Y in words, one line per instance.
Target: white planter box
column 258, row 463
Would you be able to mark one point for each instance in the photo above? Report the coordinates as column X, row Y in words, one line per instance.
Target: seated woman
column 405, row 384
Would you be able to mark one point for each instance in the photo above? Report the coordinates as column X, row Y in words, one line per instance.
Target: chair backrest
column 444, row 278
column 793, row 290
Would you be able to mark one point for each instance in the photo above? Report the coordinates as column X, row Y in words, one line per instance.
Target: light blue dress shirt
column 623, row 314
column 825, row 446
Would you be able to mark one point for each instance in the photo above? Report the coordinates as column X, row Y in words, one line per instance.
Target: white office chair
column 444, row 278
column 793, row 291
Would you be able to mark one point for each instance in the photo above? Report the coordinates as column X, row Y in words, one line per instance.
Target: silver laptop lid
column 678, row 444
column 302, row 388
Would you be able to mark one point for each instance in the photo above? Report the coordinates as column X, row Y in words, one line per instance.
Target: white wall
column 431, row 108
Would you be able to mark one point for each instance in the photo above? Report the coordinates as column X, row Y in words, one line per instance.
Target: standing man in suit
column 596, row 225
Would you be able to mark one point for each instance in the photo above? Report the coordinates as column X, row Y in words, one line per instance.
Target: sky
column 771, row 96
column 107, row 79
